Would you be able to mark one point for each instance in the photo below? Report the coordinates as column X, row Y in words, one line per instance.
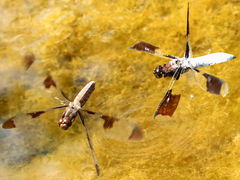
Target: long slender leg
column 10, row 122
column 90, row 144
column 38, row 113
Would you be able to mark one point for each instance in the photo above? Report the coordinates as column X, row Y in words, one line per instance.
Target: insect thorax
column 168, row 70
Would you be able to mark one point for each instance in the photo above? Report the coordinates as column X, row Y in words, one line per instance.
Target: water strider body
column 178, row 66
column 74, row 107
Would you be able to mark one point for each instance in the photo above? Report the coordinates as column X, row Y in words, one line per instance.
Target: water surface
column 79, row 41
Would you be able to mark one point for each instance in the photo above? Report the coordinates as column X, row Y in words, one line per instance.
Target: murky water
column 78, row 41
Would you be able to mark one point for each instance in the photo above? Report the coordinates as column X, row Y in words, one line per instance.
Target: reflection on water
column 79, row 41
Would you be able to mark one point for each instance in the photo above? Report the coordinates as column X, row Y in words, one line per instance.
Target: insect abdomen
column 84, row 94
column 211, row 59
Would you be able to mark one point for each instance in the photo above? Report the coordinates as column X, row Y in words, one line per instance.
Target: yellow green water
column 201, row 140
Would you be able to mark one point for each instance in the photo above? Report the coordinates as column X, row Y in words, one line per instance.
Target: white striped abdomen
column 210, row 59
column 84, row 94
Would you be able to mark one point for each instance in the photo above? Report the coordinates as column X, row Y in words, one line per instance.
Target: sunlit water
column 78, row 41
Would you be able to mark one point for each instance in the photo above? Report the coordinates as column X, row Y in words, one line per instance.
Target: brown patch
column 144, row 46
column 97, row 169
column 35, row 114
column 108, row 121
column 48, row 82
column 137, row 134
column 213, row 84
column 65, row 58
column 9, row 123
column 168, row 105
column 28, row 60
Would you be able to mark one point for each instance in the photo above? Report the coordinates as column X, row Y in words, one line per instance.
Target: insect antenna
column 64, row 95
column 90, row 144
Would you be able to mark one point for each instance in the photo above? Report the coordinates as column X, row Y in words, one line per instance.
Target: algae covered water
column 80, row 41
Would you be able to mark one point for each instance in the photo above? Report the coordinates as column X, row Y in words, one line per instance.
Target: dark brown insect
column 74, row 109
column 178, row 66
